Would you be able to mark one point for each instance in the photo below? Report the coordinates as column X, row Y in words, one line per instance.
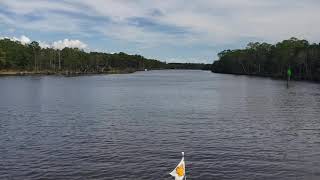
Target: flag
column 180, row 171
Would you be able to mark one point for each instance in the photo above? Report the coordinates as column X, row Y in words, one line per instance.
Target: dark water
column 134, row 126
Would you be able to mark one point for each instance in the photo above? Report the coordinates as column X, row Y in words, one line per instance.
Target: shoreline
column 72, row 73
column 62, row 73
column 267, row 76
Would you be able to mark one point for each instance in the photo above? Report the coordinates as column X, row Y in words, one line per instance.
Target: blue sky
column 168, row 30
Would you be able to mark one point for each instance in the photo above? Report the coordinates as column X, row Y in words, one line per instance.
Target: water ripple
column 134, row 126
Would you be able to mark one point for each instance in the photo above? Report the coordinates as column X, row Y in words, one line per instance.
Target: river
column 135, row 126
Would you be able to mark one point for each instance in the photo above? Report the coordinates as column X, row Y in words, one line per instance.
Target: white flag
column 180, row 171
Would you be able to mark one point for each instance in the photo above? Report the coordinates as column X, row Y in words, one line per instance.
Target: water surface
column 134, row 126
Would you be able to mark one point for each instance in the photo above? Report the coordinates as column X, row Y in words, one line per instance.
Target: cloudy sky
column 169, row 30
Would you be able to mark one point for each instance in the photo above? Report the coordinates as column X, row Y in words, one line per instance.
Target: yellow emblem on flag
column 180, row 170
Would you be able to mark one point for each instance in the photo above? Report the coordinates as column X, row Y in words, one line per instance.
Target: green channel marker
column 289, row 72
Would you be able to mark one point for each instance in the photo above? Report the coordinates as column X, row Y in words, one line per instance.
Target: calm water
column 134, row 126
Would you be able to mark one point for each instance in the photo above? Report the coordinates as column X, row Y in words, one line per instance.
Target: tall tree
column 36, row 48
column 272, row 60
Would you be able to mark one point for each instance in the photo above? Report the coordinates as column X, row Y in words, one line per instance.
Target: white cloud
column 207, row 22
column 24, row 7
column 44, row 45
column 68, row 43
column 214, row 21
column 23, row 39
column 60, row 44
column 210, row 21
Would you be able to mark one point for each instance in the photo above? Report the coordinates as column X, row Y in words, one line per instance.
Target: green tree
column 2, row 59
column 35, row 48
column 264, row 59
column 17, row 56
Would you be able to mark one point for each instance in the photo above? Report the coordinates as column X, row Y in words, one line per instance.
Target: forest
column 263, row 59
column 31, row 58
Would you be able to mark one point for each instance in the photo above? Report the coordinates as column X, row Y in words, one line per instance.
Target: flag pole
column 185, row 176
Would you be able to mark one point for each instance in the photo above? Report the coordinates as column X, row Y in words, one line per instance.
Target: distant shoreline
column 63, row 73
column 18, row 59
column 70, row 73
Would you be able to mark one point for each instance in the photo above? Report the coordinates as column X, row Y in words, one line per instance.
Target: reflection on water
column 134, row 126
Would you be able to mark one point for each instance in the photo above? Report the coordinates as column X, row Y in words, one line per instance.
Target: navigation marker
column 289, row 73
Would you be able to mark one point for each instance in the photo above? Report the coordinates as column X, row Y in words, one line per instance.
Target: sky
column 168, row 30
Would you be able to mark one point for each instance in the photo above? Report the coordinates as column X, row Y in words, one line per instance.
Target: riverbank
column 63, row 73
column 76, row 73
column 275, row 77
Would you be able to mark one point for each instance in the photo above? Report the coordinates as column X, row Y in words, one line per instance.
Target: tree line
column 263, row 59
column 31, row 57
column 199, row 66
